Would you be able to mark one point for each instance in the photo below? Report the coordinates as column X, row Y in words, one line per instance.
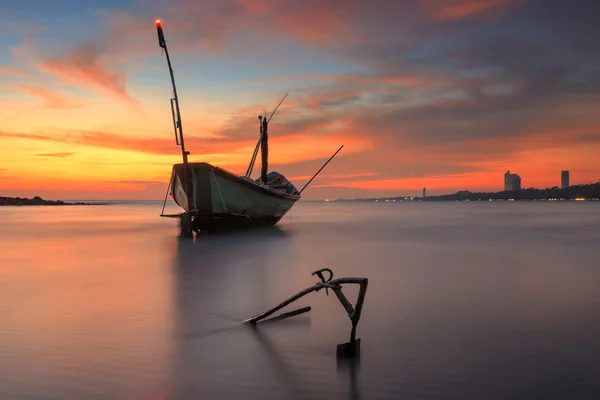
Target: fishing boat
column 213, row 198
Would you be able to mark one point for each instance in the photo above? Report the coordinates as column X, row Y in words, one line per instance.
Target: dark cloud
column 57, row 155
column 501, row 79
column 339, row 101
column 483, row 89
column 542, row 48
column 140, row 182
column 247, row 127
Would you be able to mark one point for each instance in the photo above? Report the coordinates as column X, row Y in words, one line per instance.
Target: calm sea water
column 465, row 300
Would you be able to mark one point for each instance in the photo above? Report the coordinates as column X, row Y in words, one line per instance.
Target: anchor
column 348, row 349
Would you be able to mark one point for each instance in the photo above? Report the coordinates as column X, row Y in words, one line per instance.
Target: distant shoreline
column 589, row 192
column 420, row 199
column 38, row 201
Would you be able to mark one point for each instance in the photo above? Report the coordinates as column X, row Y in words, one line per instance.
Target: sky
column 443, row 94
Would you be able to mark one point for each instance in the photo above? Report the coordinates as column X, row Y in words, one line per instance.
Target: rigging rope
column 219, row 189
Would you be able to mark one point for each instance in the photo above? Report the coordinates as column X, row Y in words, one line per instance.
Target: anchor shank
column 353, row 313
column 345, row 303
column 360, row 301
column 295, row 297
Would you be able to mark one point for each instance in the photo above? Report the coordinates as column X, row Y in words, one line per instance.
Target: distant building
column 512, row 181
column 564, row 179
column 424, row 192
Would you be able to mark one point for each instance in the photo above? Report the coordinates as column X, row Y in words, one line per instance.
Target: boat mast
column 176, row 114
column 260, row 138
column 264, row 151
column 186, row 219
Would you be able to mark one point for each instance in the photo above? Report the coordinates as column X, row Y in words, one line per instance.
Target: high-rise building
column 564, row 179
column 512, row 181
column 424, row 192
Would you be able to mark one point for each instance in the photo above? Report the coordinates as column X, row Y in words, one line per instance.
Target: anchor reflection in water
column 287, row 373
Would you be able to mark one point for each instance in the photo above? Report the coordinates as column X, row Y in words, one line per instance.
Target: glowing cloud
column 446, row 94
column 83, row 67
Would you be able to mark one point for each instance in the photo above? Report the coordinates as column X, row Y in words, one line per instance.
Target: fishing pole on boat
column 276, row 108
column 260, row 118
column 315, row 175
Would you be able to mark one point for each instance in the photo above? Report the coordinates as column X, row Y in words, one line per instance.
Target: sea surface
column 490, row 300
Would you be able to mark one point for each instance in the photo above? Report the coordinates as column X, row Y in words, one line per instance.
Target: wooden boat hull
column 217, row 199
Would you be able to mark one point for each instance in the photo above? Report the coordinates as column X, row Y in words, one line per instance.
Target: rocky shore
column 37, row 201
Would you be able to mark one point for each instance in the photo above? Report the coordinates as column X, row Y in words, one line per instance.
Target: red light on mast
column 161, row 35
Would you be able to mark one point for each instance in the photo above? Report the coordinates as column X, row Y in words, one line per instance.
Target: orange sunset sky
column 447, row 94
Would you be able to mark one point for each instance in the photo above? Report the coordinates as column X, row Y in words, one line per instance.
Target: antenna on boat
column 276, row 108
column 315, row 175
column 260, row 118
column 175, row 100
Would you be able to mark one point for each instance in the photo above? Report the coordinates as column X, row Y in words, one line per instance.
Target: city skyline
column 565, row 179
column 512, row 181
column 443, row 93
